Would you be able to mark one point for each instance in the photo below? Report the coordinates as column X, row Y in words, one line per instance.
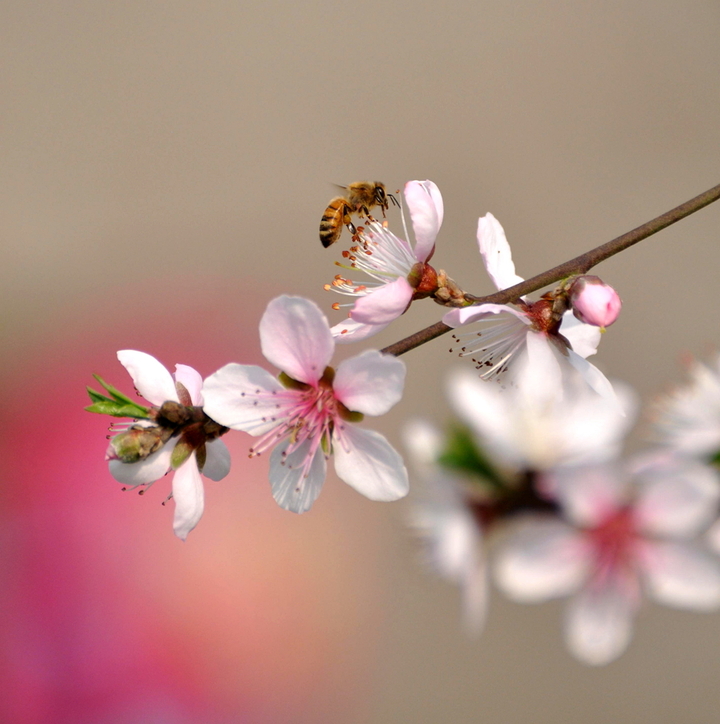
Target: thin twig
column 579, row 265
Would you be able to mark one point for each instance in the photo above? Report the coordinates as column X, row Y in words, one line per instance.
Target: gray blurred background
column 144, row 143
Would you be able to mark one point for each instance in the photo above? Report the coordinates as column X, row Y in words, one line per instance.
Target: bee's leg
column 348, row 222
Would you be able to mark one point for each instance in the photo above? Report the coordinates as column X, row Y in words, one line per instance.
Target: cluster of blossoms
column 531, row 490
column 536, row 497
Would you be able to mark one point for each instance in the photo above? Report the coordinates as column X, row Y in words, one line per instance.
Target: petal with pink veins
column 150, row 377
column 371, row 382
column 384, row 304
column 291, row 488
column 295, row 337
column 426, row 211
column 189, row 497
column 366, row 461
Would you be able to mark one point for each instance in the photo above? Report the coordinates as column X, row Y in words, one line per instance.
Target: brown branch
column 579, row 265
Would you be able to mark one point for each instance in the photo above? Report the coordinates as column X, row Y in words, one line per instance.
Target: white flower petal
column 352, row 331
column 598, row 624
column 467, row 315
column 425, row 204
column 192, row 381
column 370, row 464
column 151, row 379
column 291, row 489
column 495, row 251
column 146, row 471
column 370, row 382
column 540, row 560
column 423, row 441
column 384, row 303
column 489, row 412
column 244, row 397
column 689, row 417
column 683, row 576
column 189, row 497
column 295, row 337
column 583, row 338
column 217, row 463
column 595, row 379
column 679, row 497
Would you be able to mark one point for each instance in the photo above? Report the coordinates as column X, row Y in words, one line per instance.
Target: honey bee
column 360, row 197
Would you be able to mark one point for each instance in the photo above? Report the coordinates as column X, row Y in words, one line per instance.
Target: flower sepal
column 117, row 405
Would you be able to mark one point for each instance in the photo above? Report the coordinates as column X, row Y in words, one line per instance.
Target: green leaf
column 462, row 455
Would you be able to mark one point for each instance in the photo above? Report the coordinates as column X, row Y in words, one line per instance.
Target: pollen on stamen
column 327, row 287
column 336, row 306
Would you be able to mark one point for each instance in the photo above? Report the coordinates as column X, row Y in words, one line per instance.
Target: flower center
column 613, row 542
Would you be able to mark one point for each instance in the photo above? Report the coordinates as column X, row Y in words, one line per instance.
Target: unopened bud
column 136, row 443
column 593, row 301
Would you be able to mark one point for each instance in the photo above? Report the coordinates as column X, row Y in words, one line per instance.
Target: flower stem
column 579, row 265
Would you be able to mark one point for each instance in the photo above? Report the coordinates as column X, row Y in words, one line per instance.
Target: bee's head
column 380, row 195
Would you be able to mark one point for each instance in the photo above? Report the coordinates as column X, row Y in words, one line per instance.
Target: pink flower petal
column 371, row 382
column 495, row 252
column 426, row 211
column 295, row 337
column 245, row 397
column 384, row 304
column 291, row 489
column 192, row 381
column 217, row 464
column 366, row 461
column 151, row 379
column 189, row 497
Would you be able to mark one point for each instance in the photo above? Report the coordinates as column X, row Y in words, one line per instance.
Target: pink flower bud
column 594, row 302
